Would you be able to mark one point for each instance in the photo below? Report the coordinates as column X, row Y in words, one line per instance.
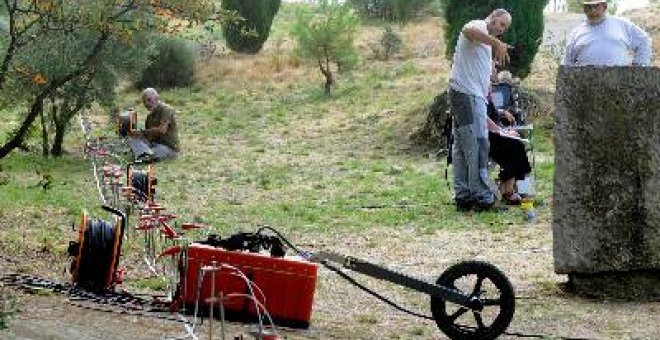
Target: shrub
column 391, row 42
column 173, row 65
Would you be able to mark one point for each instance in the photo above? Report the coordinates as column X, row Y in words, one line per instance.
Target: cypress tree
column 249, row 34
column 525, row 33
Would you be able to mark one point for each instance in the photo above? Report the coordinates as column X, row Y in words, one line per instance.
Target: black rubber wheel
column 479, row 280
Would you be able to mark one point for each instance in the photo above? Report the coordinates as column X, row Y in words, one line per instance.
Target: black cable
column 284, row 239
column 372, row 292
column 346, row 276
column 125, row 123
column 407, row 311
column 390, row 302
column 96, row 255
column 150, row 314
column 142, row 184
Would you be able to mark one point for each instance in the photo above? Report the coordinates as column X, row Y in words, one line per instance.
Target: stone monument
column 606, row 218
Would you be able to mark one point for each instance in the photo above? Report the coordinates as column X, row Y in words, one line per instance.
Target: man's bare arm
column 500, row 49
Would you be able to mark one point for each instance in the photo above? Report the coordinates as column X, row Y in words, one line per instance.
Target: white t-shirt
column 608, row 43
column 472, row 65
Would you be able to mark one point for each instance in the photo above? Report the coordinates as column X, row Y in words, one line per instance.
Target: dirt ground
column 342, row 311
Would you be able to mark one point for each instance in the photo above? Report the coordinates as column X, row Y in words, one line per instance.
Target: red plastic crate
column 288, row 284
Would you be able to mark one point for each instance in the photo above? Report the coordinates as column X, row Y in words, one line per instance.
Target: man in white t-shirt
column 468, row 89
column 606, row 40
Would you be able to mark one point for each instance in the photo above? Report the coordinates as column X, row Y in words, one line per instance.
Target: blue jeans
column 470, row 149
column 140, row 146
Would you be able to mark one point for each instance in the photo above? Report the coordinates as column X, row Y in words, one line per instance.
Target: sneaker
column 464, row 205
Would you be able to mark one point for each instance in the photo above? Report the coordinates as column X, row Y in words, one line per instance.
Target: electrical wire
column 140, row 184
column 393, row 304
column 259, row 306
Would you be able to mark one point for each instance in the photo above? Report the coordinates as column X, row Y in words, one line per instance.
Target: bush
column 390, row 42
column 173, row 65
column 7, row 307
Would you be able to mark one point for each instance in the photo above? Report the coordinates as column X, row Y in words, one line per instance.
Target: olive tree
column 35, row 69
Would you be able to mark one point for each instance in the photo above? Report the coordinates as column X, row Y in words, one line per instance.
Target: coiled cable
column 96, row 258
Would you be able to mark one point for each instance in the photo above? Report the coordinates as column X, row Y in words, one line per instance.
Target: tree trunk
column 328, row 83
column 60, row 131
column 45, row 146
column 18, row 138
column 37, row 104
column 329, row 80
column 62, row 123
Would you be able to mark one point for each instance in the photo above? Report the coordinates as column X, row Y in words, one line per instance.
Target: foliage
column 120, row 61
column 7, row 307
column 390, row 41
column 392, row 10
column 525, row 33
column 173, row 65
column 326, row 34
column 76, row 36
column 249, row 33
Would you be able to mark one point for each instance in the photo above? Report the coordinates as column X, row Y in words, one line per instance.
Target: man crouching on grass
column 160, row 138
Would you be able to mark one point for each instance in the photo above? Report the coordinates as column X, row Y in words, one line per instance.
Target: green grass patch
column 150, row 284
column 281, row 153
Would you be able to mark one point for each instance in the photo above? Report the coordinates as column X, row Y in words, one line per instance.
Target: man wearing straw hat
column 606, row 40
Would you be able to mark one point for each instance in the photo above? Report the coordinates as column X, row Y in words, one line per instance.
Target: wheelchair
column 505, row 96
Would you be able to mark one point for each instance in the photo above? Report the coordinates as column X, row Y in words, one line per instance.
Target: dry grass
column 262, row 146
column 648, row 19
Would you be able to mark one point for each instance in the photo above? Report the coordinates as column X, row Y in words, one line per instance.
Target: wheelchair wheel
column 484, row 282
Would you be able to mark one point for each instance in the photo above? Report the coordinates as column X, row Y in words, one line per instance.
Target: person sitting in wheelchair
column 507, row 150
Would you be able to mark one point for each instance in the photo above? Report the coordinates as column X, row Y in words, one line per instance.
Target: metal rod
column 212, row 301
column 382, row 273
column 222, row 315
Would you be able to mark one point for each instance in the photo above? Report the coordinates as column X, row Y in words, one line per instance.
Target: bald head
column 150, row 98
column 498, row 21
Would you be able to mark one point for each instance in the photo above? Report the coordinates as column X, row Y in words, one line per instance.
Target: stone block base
column 632, row 285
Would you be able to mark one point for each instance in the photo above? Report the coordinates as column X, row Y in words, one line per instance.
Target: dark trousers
column 510, row 155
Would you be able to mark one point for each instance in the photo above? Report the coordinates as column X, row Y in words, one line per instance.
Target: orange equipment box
column 286, row 284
